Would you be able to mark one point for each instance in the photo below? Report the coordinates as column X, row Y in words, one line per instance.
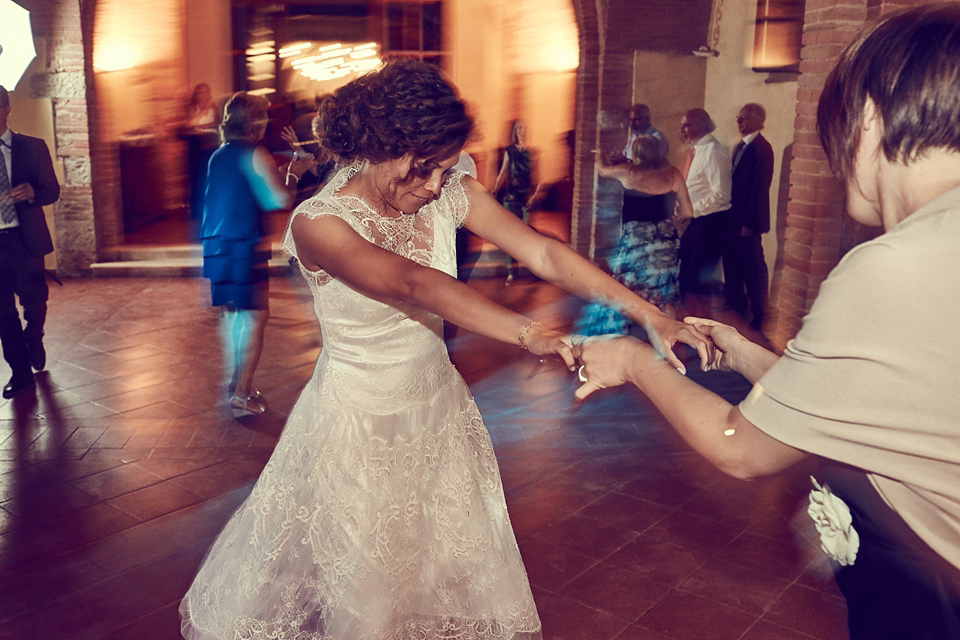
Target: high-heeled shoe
column 252, row 405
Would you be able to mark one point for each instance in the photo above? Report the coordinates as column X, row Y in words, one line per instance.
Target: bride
column 381, row 514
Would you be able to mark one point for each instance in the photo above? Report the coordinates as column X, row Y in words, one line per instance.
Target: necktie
column 8, row 212
column 738, row 153
column 686, row 168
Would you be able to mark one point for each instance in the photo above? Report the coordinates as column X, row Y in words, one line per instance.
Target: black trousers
column 21, row 276
column 897, row 588
column 701, row 247
column 745, row 276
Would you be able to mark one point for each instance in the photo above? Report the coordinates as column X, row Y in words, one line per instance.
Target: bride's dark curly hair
column 407, row 106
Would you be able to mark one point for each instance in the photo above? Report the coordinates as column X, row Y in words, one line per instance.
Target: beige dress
column 872, row 381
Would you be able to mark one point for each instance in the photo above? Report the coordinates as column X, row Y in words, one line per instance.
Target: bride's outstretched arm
column 330, row 244
column 555, row 262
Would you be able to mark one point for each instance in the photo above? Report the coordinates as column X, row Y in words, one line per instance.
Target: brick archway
column 605, row 88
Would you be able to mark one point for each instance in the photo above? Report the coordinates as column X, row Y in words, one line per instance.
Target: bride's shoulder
column 322, row 215
column 317, row 206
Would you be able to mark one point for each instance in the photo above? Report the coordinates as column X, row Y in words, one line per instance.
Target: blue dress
column 231, row 229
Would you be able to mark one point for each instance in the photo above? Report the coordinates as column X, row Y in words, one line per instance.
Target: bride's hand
column 543, row 342
column 606, row 361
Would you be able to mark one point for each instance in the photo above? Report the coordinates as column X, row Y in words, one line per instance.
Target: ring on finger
column 580, row 374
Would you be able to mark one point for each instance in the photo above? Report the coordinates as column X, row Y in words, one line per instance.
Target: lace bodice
column 425, row 237
column 390, row 350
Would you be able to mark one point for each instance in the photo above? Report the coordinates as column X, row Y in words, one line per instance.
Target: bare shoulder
column 261, row 155
column 471, row 184
column 654, row 181
column 318, row 225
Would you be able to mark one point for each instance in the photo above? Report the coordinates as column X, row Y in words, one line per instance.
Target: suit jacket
column 750, row 193
column 31, row 163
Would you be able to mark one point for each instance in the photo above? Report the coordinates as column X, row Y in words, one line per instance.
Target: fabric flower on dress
column 831, row 515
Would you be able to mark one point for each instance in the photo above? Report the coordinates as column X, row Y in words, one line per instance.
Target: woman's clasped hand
column 606, row 361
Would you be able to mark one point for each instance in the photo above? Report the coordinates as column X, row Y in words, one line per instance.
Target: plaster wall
column 145, row 40
column 478, row 67
column 670, row 84
column 140, row 72
column 730, row 83
column 209, row 44
column 494, row 63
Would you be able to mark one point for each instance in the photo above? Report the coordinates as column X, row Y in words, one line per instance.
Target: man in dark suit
column 27, row 183
column 744, row 268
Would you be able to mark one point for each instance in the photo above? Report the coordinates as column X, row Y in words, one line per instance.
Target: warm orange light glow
column 778, row 34
column 545, row 37
column 323, row 63
column 561, row 56
column 115, row 55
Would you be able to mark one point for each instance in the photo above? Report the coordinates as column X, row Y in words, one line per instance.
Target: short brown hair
column 908, row 64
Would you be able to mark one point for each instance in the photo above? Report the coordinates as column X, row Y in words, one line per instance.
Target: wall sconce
column 778, row 36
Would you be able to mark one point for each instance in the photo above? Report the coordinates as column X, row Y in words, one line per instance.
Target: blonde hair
column 646, row 152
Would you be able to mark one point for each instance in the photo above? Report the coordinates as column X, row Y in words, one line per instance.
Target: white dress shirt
column 709, row 180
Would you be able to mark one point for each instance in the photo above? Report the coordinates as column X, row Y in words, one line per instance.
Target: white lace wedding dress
column 380, row 515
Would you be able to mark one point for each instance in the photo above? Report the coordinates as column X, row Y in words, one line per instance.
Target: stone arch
column 67, row 81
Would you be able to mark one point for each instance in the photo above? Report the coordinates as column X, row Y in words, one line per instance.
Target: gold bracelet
column 523, row 334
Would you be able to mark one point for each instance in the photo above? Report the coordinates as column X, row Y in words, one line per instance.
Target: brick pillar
column 616, row 96
column 818, row 231
column 65, row 81
column 588, row 103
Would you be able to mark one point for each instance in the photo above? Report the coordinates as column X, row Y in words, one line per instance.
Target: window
column 413, row 28
column 778, row 35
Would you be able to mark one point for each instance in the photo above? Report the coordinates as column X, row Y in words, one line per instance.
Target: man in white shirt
column 708, row 174
column 640, row 125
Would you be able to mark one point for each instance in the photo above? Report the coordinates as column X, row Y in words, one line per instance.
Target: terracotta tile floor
column 117, row 475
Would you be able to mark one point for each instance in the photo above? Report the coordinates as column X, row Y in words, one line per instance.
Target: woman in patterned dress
column 645, row 259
